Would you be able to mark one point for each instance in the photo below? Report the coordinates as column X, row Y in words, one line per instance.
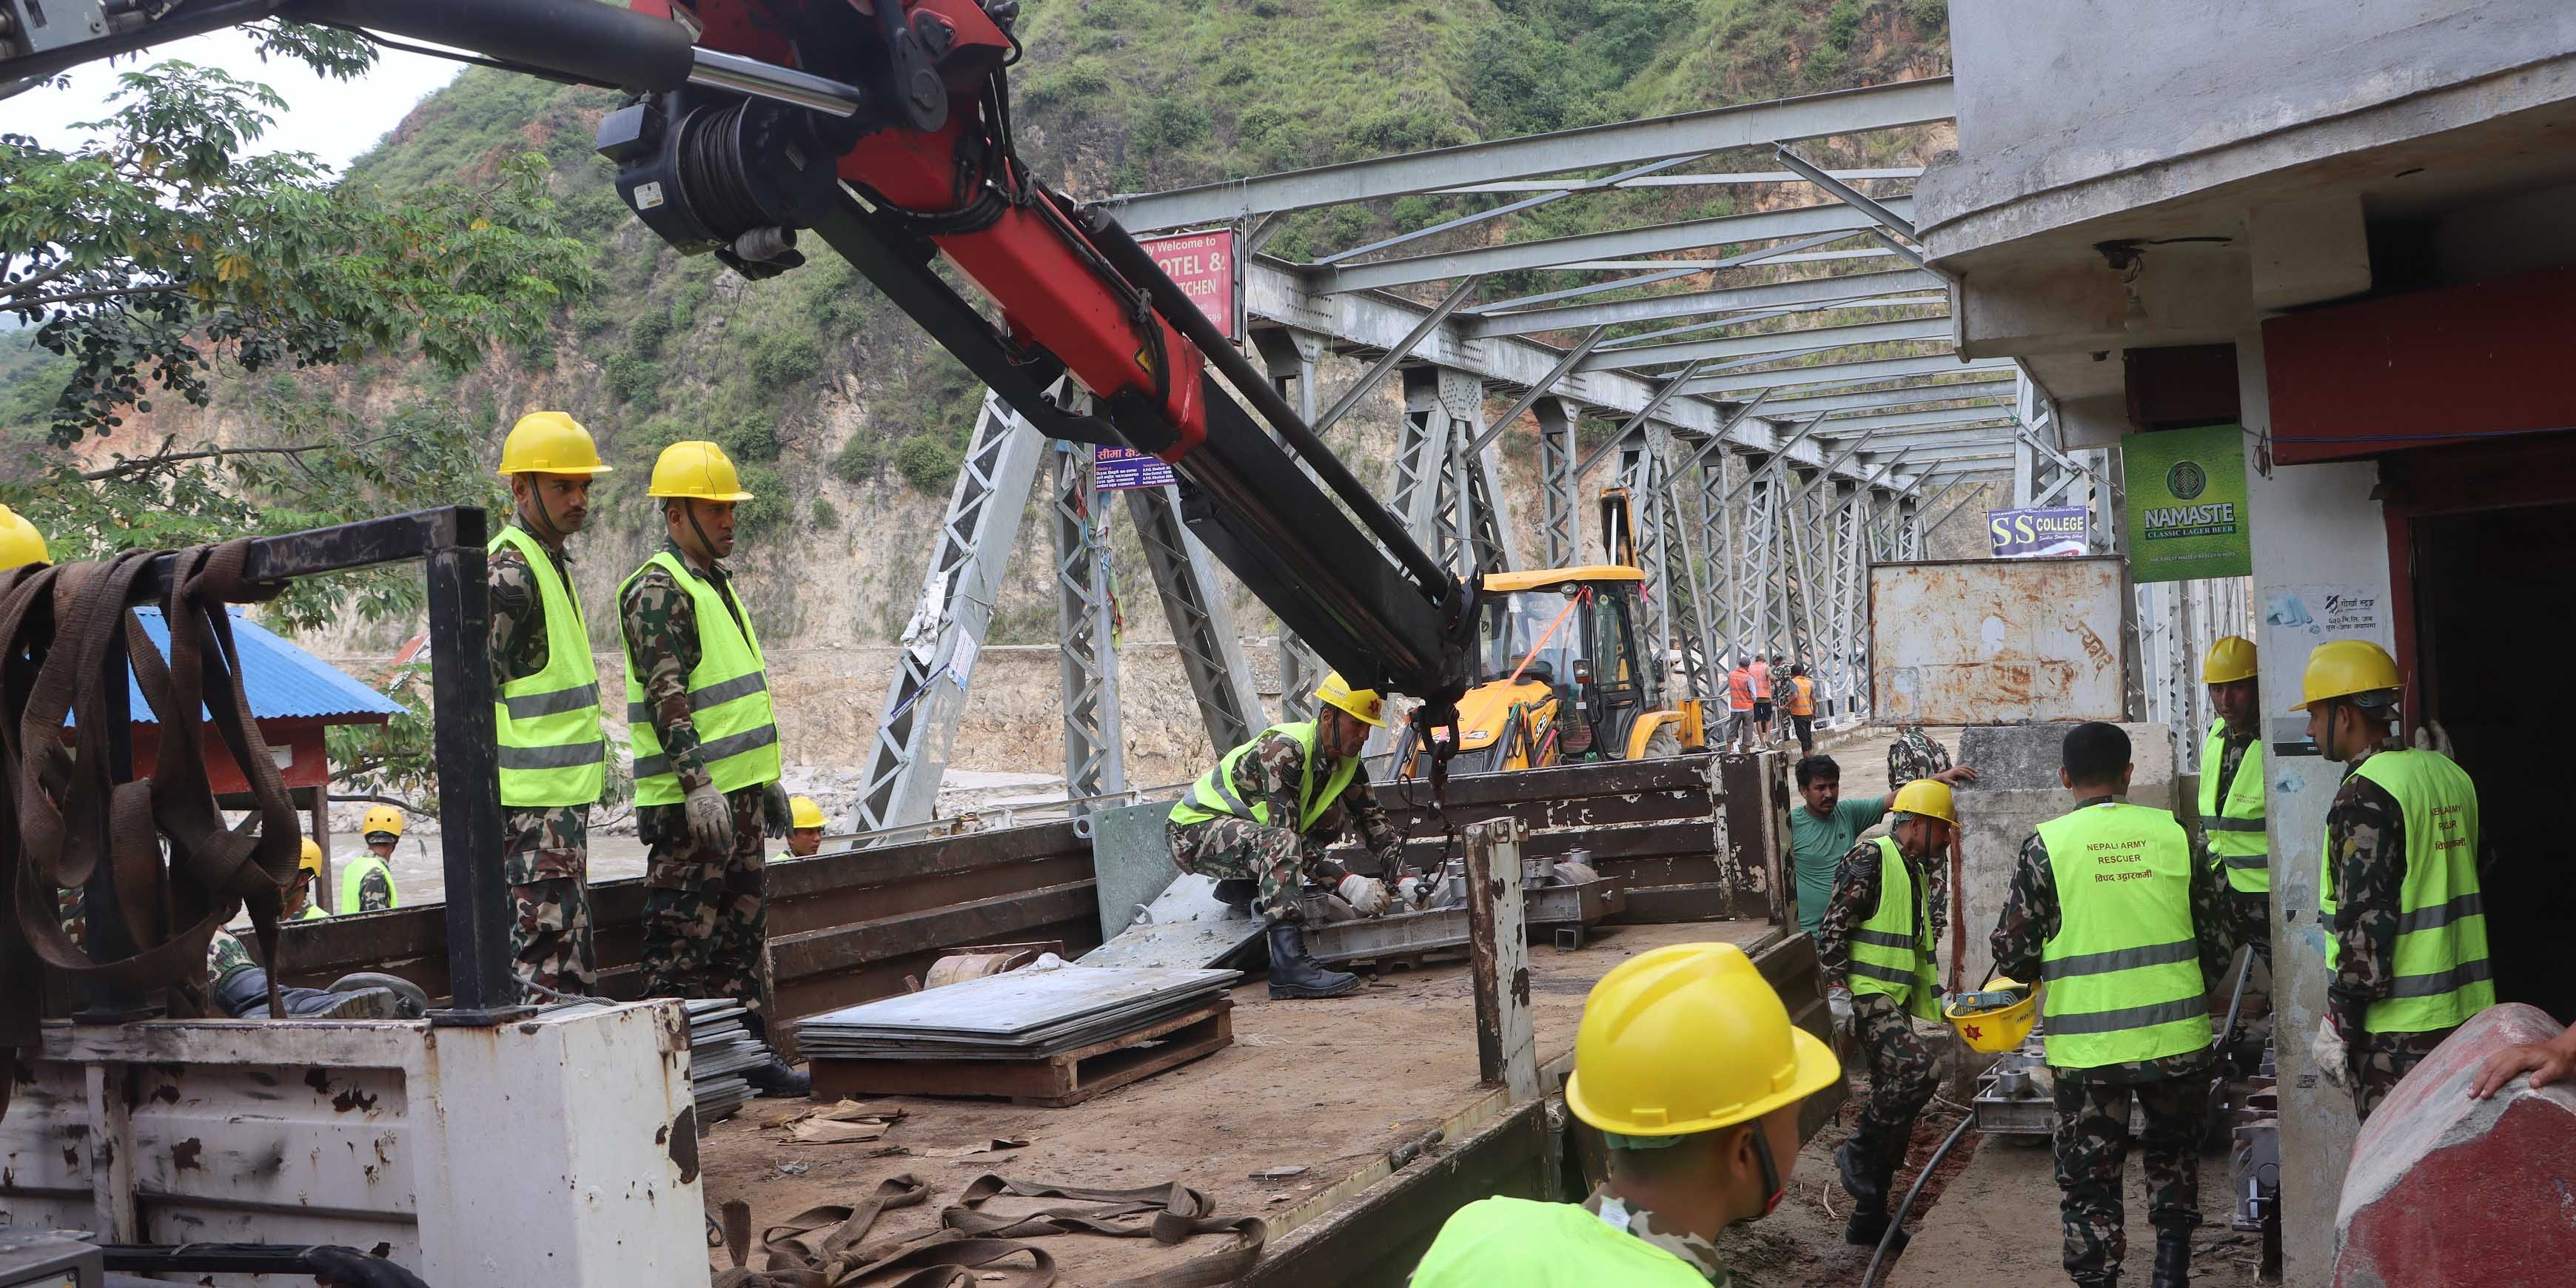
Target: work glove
column 710, row 819
column 1839, row 1001
column 2333, row 1057
column 774, row 815
column 1365, row 895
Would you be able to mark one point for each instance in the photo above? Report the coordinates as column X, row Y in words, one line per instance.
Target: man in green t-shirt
column 1823, row 830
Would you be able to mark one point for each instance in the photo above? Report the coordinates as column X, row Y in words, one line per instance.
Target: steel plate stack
column 720, row 1048
column 1022, row 1015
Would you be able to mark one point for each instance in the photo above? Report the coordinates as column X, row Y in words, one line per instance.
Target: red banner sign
column 1202, row 264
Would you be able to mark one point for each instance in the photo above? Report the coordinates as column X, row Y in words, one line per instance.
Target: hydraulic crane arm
column 884, row 128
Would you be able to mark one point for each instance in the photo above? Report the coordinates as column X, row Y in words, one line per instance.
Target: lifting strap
column 63, row 631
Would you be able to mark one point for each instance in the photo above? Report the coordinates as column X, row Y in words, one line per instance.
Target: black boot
column 1294, row 974
column 777, row 1078
column 1865, row 1179
column 2173, row 1259
column 410, row 1000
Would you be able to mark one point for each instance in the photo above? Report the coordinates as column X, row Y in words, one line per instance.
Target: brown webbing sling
column 821, row 1247
column 63, row 632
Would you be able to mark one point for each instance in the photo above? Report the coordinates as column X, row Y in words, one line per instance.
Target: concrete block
column 2016, row 791
column 2444, row 1190
column 2308, row 251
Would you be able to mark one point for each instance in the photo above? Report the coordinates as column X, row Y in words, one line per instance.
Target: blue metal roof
column 283, row 682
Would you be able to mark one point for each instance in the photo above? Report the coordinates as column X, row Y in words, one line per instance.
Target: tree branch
column 13, row 289
column 160, row 460
column 85, row 297
column 373, row 799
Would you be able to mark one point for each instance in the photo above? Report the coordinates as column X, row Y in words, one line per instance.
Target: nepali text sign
column 1117, row 468
column 1202, row 265
column 2039, row 532
column 2187, row 515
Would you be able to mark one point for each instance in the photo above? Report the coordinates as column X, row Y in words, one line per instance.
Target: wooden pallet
column 1053, row 1081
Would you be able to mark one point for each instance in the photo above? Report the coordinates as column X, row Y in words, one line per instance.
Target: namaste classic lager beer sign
column 2187, row 515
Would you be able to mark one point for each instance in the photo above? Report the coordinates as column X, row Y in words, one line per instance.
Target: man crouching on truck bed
column 1268, row 809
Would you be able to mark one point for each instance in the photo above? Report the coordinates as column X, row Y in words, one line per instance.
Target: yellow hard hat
column 2000, row 1030
column 2230, row 659
column 2341, row 668
column 20, row 543
column 1364, row 704
column 383, row 818
column 698, row 469
column 1929, row 797
column 549, row 442
column 803, row 812
column 311, row 861
column 1689, row 1038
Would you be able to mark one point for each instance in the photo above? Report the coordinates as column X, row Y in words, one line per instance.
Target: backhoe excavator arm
column 884, row 129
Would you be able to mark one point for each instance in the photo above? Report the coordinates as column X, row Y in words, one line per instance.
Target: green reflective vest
column 2123, row 969
column 552, row 750
column 1213, row 795
column 2442, row 974
column 311, row 911
column 354, row 876
column 2232, row 821
column 1515, row 1243
column 728, row 697
column 1891, row 952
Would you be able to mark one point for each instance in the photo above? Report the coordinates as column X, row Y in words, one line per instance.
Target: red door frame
column 2462, row 478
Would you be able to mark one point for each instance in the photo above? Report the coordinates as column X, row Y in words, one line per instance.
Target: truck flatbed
column 1330, row 1086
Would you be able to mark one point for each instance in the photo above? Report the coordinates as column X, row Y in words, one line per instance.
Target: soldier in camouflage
column 550, row 463
column 2366, row 1040
column 2092, row 1135
column 1265, row 813
column 706, row 920
column 238, row 985
column 1914, row 755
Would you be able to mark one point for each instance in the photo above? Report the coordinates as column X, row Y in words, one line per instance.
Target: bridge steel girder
column 1817, row 292
column 1914, row 102
column 1642, row 241
column 1095, row 748
column 1875, row 399
column 1202, row 623
column 1807, row 341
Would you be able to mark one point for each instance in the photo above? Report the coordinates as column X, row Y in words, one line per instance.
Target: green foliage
column 1171, row 123
column 779, row 360
column 859, row 459
column 926, row 463
column 1842, row 23
column 157, row 248
column 768, row 506
column 1825, row 66
column 824, row 514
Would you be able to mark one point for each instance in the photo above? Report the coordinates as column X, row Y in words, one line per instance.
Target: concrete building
column 2342, row 225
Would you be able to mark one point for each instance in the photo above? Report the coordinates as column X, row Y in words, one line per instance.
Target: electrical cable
column 1897, row 1223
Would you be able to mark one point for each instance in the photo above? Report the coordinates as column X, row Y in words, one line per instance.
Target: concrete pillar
column 2016, row 791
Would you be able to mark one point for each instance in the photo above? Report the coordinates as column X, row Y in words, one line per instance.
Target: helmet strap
column 705, row 543
column 542, row 520
column 1774, row 1187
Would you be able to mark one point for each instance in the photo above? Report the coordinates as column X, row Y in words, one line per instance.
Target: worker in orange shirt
column 1739, row 705
column 1761, row 673
column 1802, row 708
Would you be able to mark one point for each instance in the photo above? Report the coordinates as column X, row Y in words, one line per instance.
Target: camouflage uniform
column 2092, row 1136
column 1697, row 1253
column 545, row 850
column 1272, row 854
column 226, row 956
column 1902, row 1068
column 376, row 893
column 2253, row 907
column 1914, row 755
column 2366, row 834
column 706, row 919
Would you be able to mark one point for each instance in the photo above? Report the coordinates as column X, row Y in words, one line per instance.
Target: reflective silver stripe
column 2180, row 950
column 1225, row 792
column 2224, row 824
column 2135, row 1017
column 2249, row 860
column 710, row 752
column 1882, row 938
column 528, row 706
column 722, row 691
column 573, row 756
column 2472, row 904
column 2458, row 977
column 1887, row 973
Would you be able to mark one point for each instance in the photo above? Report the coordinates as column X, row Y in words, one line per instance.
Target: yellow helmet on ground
column 1996, row 1030
column 20, row 543
column 1929, row 797
column 1364, row 705
column 383, row 818
column 549, row 442
column 696, row 469
column 1689, row 1038
column 802, row 812
column 2230, row 659
column 311, row 860
column 2342, row 668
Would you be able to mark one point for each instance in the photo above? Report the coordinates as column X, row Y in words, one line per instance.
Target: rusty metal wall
column 1988, row 641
